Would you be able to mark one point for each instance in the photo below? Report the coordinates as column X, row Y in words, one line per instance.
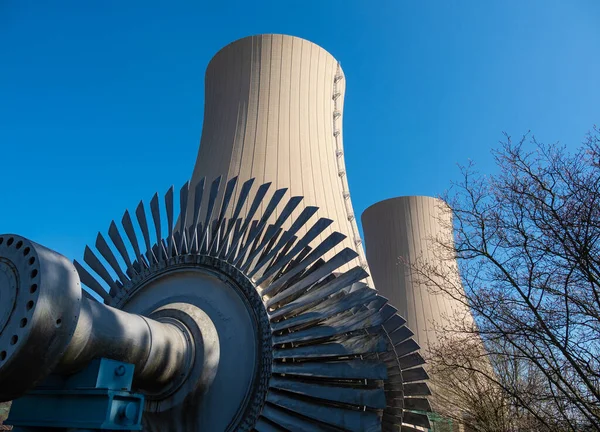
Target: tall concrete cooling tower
column 273, row 112
column 402, row 232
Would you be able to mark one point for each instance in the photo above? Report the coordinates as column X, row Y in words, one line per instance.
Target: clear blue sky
column 101, row 103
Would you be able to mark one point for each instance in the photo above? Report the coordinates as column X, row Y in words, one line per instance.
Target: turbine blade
column 88, row 280
column 169, row 210
column 140, row 214
column 117, row 240
column 110, row 258
column 154, row 208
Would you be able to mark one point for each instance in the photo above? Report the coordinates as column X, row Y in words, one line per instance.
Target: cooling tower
column 273, row 112
column 400, row 233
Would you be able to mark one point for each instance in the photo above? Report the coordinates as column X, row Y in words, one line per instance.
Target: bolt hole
column 58, row 322
column 26, row 251
column 34, row 273
column 31, row 260
column 2, row 355
column 29, row 305
column 14, row 339
column 10, row 241
column 19, row 244
column 1, row 240
column 33, row 288
column 23, row 322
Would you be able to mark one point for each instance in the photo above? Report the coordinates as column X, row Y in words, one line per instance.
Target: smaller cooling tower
column 399, row 232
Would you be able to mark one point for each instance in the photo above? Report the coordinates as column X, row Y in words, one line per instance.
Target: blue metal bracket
column 96, row 398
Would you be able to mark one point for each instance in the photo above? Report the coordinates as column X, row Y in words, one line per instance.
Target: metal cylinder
column 47, row 326
column 158, row 350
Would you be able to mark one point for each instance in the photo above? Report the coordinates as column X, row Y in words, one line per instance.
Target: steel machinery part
column 247, row 326
column 50, row 325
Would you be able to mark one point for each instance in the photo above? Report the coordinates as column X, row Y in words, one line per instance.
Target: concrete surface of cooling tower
column 400, row 233
column 273, row 111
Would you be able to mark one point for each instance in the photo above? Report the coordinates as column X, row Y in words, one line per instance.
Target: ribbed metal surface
column 398, row 233
column 273, row 112
column 334, row 354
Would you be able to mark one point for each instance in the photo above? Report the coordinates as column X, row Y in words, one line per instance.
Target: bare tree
column 487, row 392
column 527, row 242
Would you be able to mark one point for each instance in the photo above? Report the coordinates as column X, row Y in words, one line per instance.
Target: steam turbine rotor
column 250, row 328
